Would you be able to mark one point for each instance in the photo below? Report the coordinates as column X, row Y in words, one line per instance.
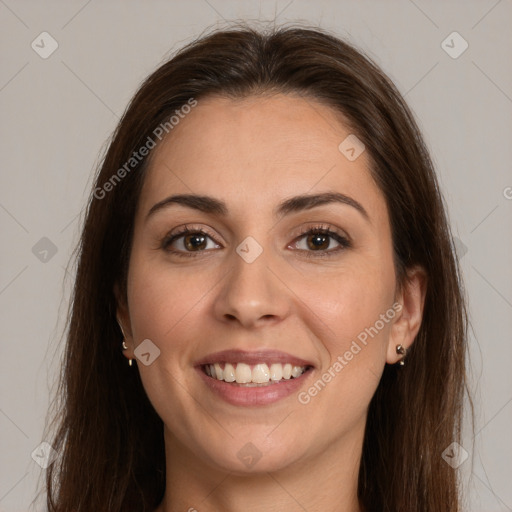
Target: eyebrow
column 207, row 204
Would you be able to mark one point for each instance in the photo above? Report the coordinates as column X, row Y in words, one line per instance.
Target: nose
column 252, row 293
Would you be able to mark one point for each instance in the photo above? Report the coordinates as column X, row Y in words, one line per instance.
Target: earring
column 125, row 347
column 400, row 349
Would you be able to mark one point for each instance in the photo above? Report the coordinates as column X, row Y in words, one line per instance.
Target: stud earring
column 125, row 347
column 400, row 349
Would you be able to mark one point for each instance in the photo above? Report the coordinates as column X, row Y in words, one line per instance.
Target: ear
column 123, row 319
column 408, row 320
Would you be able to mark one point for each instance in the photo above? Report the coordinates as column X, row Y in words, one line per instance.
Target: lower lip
column 256, row 395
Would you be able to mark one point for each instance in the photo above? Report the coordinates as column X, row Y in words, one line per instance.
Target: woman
column 267, row 246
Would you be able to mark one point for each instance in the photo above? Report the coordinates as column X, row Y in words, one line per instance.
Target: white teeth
column 260, row 373
column 242, row 373
column 218, row 371
column 296, row 371
column 229, row 373
column 276, row 371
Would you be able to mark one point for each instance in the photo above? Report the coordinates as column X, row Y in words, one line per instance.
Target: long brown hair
column 107, row 434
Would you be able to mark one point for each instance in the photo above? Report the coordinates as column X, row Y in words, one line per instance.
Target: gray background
column 58, row 112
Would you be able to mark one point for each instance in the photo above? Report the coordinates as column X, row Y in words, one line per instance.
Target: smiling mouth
column 261, row 374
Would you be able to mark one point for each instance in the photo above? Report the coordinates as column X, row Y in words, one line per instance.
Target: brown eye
column 319, row 241
column 194, row 241
column 187, row 242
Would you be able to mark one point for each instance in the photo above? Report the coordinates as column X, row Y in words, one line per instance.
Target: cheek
column 164, row 304
column 347, row 301
column 165, row 307
column 352, row 313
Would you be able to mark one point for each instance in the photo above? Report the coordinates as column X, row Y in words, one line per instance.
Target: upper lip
column 253, row 357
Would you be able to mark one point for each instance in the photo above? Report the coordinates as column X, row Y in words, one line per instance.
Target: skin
column 252, row 154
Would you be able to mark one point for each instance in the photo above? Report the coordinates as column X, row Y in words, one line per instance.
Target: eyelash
column 320, row 229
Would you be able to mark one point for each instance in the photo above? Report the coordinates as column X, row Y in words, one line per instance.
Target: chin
column 251, row 455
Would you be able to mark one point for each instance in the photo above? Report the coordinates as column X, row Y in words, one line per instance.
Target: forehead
column 257, row 151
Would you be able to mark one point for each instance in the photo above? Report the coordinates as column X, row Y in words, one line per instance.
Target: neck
column 326, row 482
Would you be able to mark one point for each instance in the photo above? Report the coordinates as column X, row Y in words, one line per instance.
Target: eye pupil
column 191, row 244
column 318, row 241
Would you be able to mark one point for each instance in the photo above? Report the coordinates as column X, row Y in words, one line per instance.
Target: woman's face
column 254, row 293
